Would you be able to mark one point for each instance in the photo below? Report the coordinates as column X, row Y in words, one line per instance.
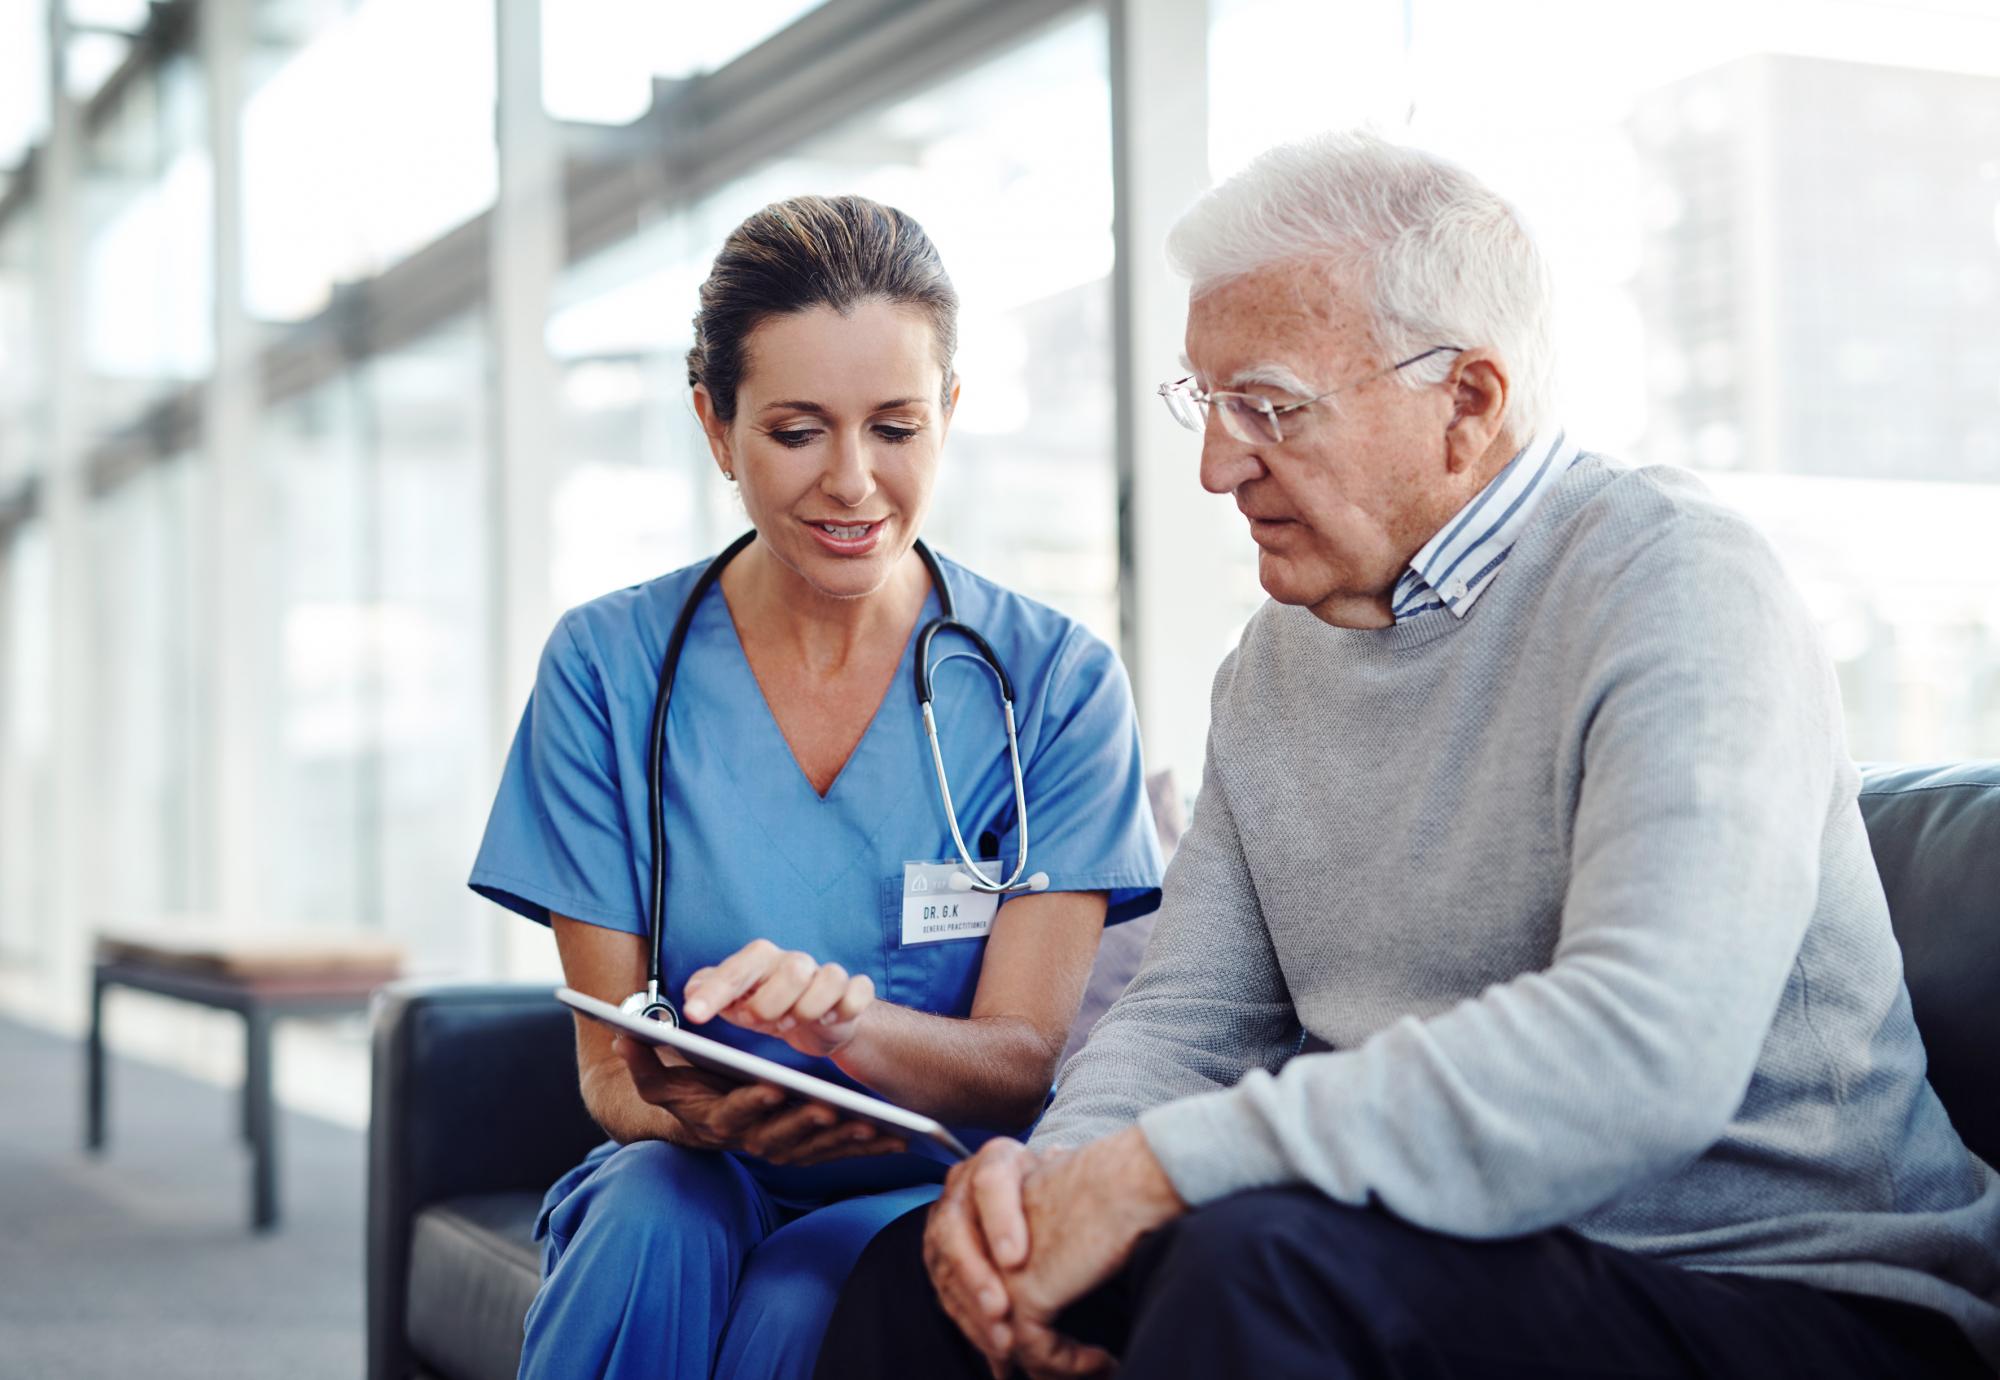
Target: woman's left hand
column 814, row 1007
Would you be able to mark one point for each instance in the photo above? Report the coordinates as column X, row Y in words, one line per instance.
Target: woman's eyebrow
column 821, row 410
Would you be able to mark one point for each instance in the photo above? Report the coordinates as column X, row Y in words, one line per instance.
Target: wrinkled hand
column 1085, row 1212
column 813, row 1007
column 1047, row 1229
column 717, row 1114
column 976, row 1226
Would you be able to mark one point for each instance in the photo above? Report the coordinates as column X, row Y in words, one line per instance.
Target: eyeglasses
column 1254, row 420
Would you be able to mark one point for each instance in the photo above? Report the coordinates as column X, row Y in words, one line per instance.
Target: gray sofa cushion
column 1936, row 836
column 474, row 1268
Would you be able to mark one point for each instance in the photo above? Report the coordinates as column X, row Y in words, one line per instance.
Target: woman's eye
column 895, row 435
column 794, row 439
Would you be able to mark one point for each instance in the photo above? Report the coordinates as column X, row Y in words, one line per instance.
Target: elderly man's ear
column 1480, row 389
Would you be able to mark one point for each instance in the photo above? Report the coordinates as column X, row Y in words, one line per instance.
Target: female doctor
column 711, row 1234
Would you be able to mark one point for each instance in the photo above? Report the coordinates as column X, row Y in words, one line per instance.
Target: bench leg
column 93, row 1072
column 262, row 1123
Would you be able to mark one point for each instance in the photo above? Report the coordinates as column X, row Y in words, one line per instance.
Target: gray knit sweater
column 1578, row 892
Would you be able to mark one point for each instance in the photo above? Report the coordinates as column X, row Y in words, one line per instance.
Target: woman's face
column 836, row 439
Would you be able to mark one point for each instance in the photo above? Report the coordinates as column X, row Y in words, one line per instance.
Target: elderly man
column 1527, row 812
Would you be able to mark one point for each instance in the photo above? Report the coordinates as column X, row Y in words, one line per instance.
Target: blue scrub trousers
column 662, row 1263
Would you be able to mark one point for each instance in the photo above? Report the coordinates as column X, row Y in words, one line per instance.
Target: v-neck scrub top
column 753, row 851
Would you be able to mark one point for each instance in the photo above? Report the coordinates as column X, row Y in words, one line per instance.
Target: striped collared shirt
column 1455, row 566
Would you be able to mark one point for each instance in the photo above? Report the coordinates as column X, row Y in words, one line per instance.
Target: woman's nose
column 849, row 478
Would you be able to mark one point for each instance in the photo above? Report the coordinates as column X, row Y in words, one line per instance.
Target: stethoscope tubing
column 656, row 754
column 653, row 1001
column 980, row 881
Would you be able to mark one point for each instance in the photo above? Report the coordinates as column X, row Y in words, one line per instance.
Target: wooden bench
column 261, row 976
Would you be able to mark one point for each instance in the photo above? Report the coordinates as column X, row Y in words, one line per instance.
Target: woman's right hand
column 717, row 1114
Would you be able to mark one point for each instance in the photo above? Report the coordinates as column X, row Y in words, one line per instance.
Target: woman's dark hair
column 814, row 251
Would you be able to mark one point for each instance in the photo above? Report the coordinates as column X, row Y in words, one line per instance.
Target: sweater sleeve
column 1708, row 744
column 1209, row 967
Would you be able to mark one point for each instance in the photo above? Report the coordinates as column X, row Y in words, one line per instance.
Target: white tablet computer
column 731, row 1062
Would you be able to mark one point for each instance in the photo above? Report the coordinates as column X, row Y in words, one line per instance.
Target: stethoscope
column 652, row 1003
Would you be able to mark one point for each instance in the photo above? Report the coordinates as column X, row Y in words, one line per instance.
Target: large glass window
column 100, row 40
column 602, row 58
column 1278, row 69
column 147, row 728
column 369, row 133
column 21, row 389
column 24, row 81
column 316, row 730
column 1016, row 192
column 377, row 736
column 148, row 220
column 428, row 638
column 27, row 732
column 1775, row 232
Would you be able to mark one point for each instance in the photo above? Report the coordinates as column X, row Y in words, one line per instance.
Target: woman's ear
column 716, row 430
column 1480, row 389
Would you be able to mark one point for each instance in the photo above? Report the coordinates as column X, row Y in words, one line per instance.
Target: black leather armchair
column 476, row 1109
column 475, row 1112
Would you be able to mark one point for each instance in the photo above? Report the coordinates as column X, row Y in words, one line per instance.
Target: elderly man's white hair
column 1442, row 258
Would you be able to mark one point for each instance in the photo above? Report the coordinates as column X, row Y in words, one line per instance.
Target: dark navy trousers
column 1285, row 1282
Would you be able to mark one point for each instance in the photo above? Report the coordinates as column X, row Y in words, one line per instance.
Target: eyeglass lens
column 1248, row 419
column 1243, row 416
column 1184, row 408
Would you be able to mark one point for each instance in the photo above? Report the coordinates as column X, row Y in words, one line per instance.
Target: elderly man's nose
column 1226, row 463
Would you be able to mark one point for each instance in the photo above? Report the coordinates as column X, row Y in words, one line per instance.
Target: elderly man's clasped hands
column 1019, row 1235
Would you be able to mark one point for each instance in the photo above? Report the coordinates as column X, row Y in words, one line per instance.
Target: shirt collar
column 1456, row 565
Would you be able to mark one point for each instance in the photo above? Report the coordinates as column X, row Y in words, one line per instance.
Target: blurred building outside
column 1821, row 287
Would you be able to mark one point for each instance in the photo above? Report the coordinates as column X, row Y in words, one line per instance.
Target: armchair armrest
column 474, row 1091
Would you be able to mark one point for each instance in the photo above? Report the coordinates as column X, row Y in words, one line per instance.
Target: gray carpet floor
column 139, row 1262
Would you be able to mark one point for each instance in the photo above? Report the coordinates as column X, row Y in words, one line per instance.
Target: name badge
column 933, row 912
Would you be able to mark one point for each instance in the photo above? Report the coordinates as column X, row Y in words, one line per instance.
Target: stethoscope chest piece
column 649, row 1006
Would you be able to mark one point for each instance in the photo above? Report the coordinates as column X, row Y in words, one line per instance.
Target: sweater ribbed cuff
column 1214, row 1144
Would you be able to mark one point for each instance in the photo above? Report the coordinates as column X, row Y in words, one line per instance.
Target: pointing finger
column 712, row 989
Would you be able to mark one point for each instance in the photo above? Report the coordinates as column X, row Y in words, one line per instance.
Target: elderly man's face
column 1361, row 480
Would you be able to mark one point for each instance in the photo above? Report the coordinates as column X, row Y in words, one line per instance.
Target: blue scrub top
column 753, row 851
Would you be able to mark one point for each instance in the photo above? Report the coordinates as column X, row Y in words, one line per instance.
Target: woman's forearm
column 992, row 1071
column 615, row 1105
column 989, row 1071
